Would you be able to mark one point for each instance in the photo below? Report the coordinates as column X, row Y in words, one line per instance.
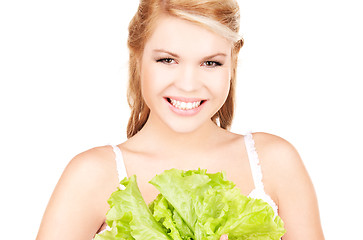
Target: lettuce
column 129, row 217
column 192, row 205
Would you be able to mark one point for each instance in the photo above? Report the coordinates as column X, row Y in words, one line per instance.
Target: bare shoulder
column 273, row 142
column 80, row 196
column 95, row 161
column 92, row 172
column 280, row 162
column 286, row 177
column 277, row 152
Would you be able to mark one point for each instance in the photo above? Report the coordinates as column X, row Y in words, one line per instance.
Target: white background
column 63, row 71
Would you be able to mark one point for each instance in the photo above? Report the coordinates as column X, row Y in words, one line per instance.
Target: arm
column 78, row 205
column 293, row 190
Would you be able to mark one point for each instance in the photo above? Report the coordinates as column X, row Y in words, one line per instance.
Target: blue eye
column 166, row 60
column 212, row 64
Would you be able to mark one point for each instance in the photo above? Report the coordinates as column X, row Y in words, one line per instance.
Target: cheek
column 219, row 82
column 145, row 81
column 146, row 84
column 152, row 81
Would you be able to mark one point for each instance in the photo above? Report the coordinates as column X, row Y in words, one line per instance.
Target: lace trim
column 106, row 229
column 259, row 191
column 120, row 165
column 254, row 161
column 261, row 194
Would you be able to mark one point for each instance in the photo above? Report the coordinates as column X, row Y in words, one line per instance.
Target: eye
column 166, row 60
column 212, row 64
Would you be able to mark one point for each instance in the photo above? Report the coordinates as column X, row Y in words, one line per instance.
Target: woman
column 183, row 58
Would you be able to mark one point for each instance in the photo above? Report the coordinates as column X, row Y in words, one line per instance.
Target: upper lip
column 185, row 99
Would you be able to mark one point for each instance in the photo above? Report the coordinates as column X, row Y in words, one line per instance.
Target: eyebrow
column 177, row 56
column 165, row 51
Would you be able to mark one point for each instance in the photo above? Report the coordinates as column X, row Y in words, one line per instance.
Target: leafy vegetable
column 129, row 216
column 192, row 205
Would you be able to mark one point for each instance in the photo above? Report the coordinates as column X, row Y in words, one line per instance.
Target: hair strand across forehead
column 211, row 24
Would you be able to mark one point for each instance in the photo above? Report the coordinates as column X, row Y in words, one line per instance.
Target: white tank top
column 258, row 192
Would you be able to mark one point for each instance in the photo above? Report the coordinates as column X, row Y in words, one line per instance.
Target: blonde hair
column 220, row 16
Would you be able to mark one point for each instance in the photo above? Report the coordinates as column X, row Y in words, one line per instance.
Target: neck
column 156, row 135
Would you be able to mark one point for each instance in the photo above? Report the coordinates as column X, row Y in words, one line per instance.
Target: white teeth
column 185, row 105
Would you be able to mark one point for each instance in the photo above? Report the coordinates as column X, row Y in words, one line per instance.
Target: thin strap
column 259, row 191
column 121, row 169
column 254, row 161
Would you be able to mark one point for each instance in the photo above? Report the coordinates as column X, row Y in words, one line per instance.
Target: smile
column 185, row 104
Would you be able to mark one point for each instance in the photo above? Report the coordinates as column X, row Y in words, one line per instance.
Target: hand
column 224, row 237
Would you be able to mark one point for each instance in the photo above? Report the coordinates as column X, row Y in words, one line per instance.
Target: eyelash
column 214, row 63
column 210, row 64
column 165, row 60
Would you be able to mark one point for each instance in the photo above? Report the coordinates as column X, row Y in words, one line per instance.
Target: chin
column 185, row 127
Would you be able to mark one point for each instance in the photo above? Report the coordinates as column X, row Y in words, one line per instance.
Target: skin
column 78, row 205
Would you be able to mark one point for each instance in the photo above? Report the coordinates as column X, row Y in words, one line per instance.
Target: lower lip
column 189, row 112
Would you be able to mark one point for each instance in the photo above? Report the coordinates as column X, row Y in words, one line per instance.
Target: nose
column 188, row 78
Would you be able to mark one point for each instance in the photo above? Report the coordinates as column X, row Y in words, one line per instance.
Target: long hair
column 219, row 16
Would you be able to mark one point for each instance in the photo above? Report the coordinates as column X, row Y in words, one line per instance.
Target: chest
column 233, row 162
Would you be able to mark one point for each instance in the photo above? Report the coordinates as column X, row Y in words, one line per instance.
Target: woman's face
column 185, row 74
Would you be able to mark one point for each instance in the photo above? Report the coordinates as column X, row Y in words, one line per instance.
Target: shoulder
column 93, row 169
column 288, row 183
column 271, row 140
column 84, row 187
column 90, row 173
column 275, row 150
column 282, row 166
column 95, row 165
column 94, row 159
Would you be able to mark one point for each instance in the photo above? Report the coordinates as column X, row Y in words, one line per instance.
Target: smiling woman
column 183, row 64
column 218, row 17
column 182, row 73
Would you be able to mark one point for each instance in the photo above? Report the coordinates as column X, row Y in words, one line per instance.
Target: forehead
column 182, row 36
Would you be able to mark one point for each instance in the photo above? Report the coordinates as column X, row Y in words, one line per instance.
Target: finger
column 224, row 237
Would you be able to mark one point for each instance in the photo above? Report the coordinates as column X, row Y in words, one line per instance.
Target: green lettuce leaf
column 192, row 205
column 129, row 217
column 211, row 206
